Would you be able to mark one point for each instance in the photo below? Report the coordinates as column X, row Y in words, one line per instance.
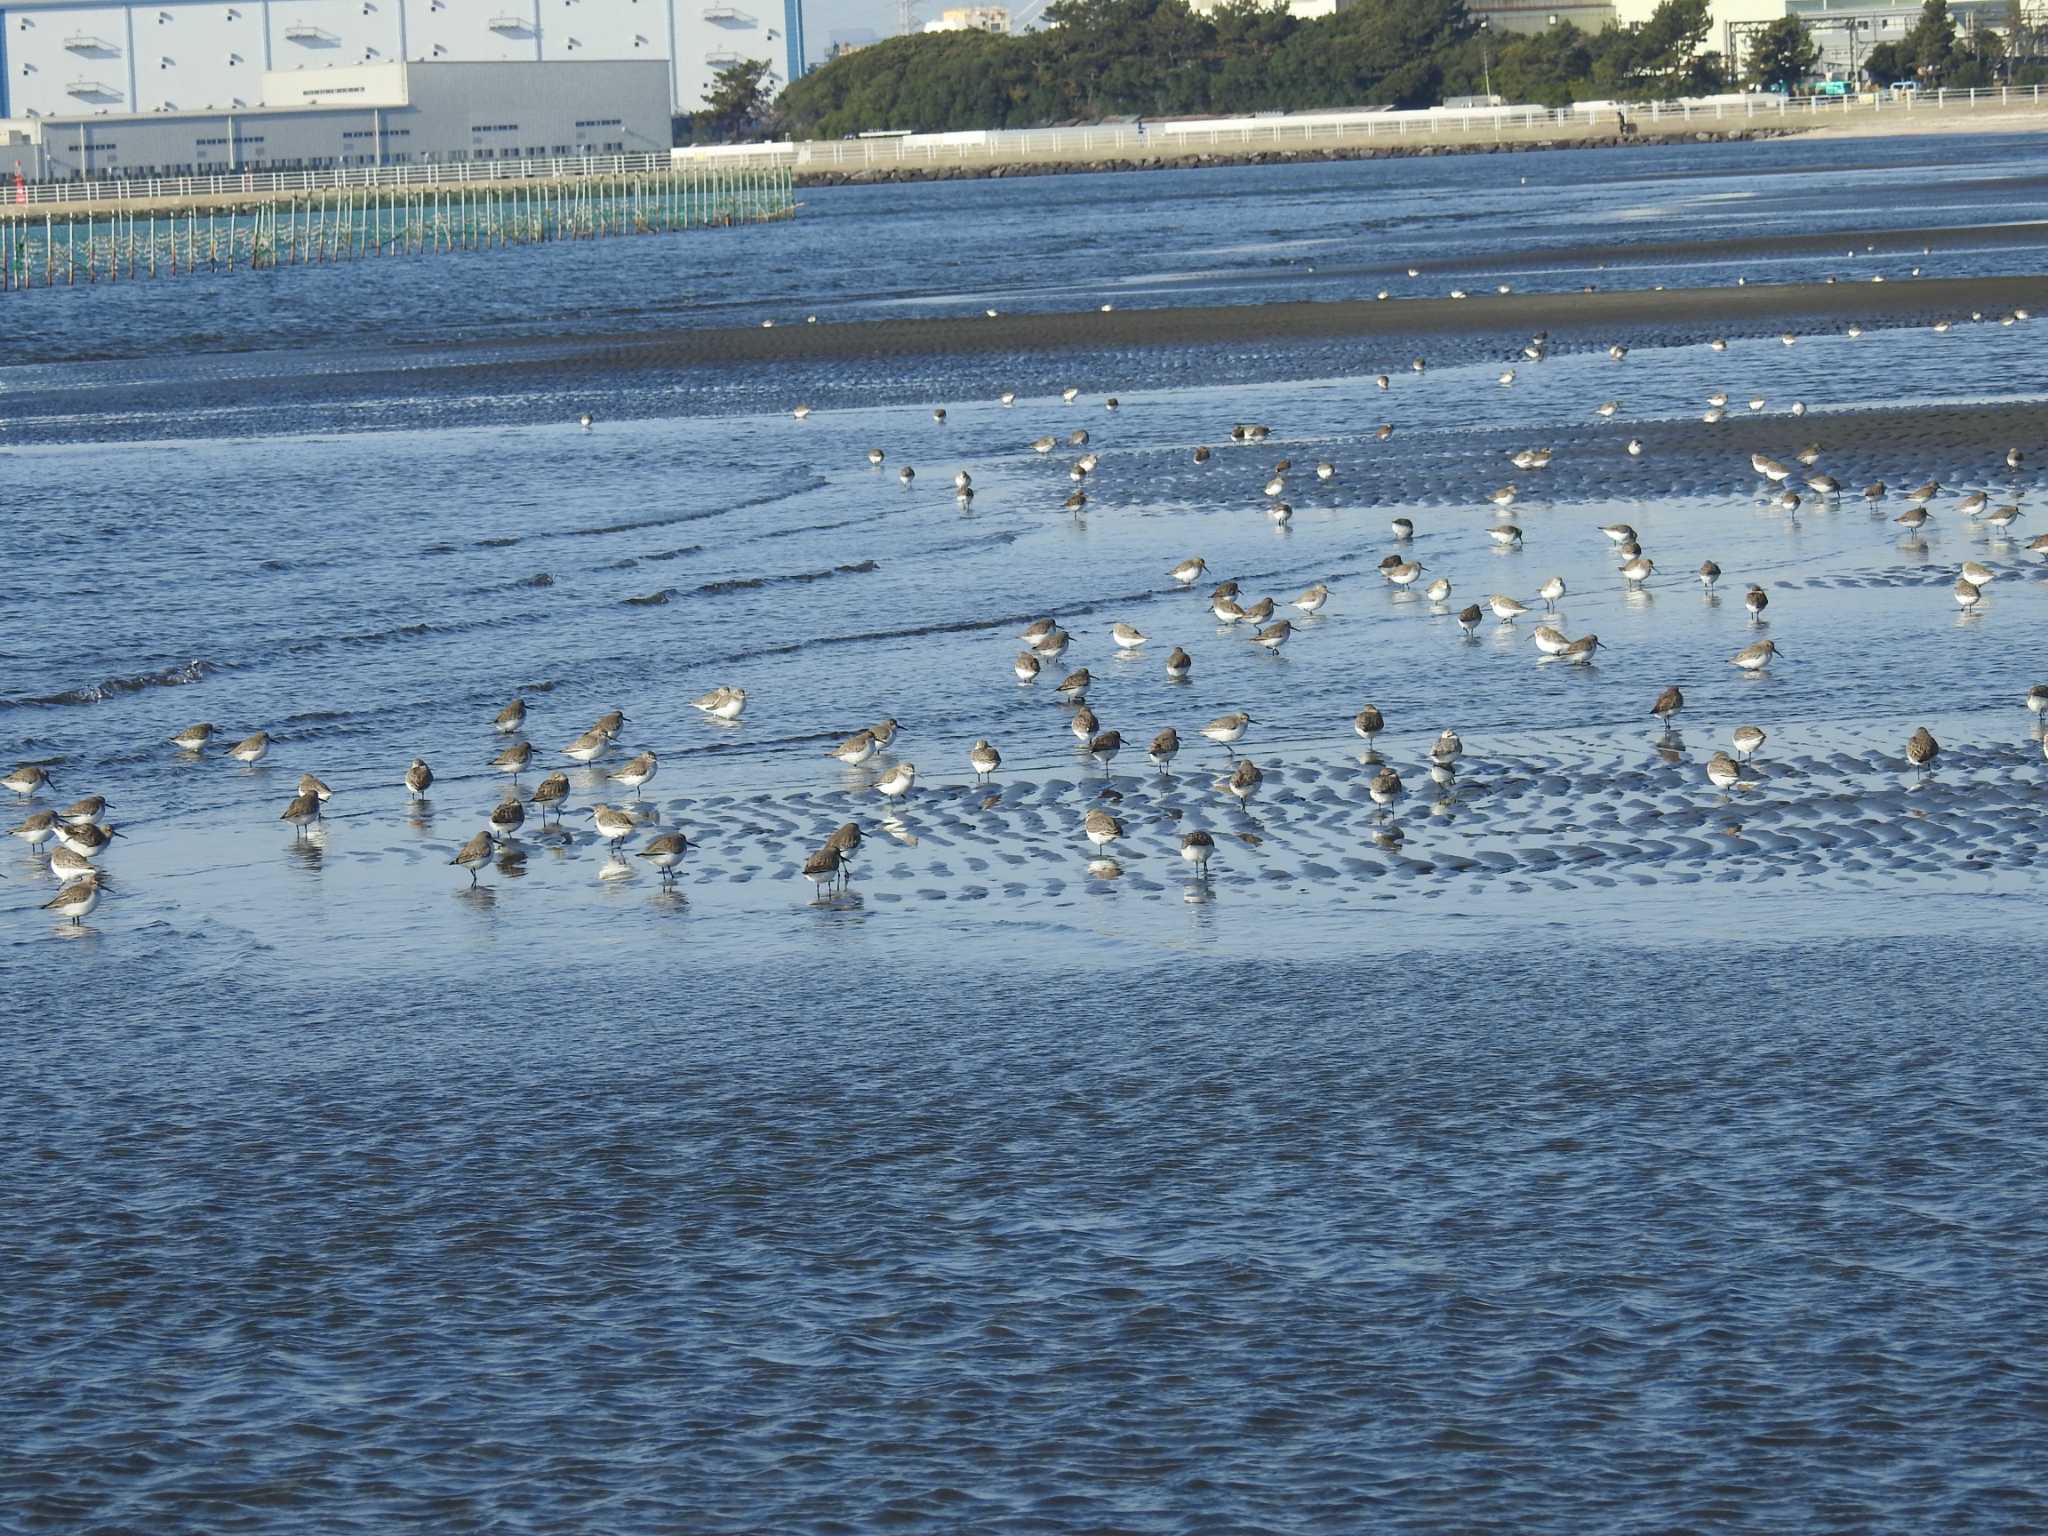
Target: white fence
column 455, row 173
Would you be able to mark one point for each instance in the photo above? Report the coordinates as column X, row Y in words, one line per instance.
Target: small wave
column 652, row 599
column 115, row 687
column 792, row 578
column 503, row 541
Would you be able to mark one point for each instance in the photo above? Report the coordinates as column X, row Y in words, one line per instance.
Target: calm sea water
column 1572, row 1148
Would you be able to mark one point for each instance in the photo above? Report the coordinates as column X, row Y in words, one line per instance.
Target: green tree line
column 1099, row 59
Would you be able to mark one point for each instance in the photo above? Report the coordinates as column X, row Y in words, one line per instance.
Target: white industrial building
column 67, row 58
column 364, row 115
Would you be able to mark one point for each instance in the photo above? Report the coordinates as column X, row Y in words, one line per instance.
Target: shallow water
column 1570, row 1144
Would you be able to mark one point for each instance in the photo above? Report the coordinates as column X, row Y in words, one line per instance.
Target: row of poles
column 353, row 223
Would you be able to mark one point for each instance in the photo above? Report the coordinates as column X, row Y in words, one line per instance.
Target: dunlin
column 722, row 703
column 1770, row 468
column 1756, row 600
column 89, row 839
column 1244, row 780
column 1259, row 612
column 612, row 825
column 1469, row 617
column 1978, row 574
column 1178, row 666
column 1580, row 652
column 1722, row 771
column 1709, row 574
column 193, row 737
column 1638, row 570
column 822, row 869
column 845, row 841
column 1202, row 454
column 665, row 853
column 1053, row 646
column 884, row 731
column 1922, row 749
column 1313, row 599
column 1506, row 533
column 1635, row 447
column 1026, row 666
column 515, row 758
column 510, row 718
column 1747, row 739
column 1038, row 629
column 1273, row 636
column 303, row 811
column 875, row 456
column 507, row 817
column 1504, row 496
column 1325, row 470
column 251, row 750
column 635, row 772
column 474, row 854
column 1128, row 637
column 2037, row 698
column 1188, row 572
column 1198, row 848
column 983, row 759
column 314, row 785
column 1101, row 828
column 1754, row 658
column 1385, row 788
column 1228, row 730
column 1077, row 502
column 1438, row 591
column 586, row 747
column 856, row 749
column 1551, row 591
column 1226, row 611
column 1067, row 395
column 1084, row 724
column 66, row 865
column 1619, row 533
column 897, row 782
column 585, row 421
column 1406, row 573
column 37, row 829
column 1550, row 640
column 1447, row 748
column 1164, row 748
column 1368, row 724
column 79, row 812
column 1386, row 430
column 1968, row 594
column 1404, row 528
column 1668, row 704
column 77, row 900
column 1074, row 686
column 962, row 481
column 551, row 791
column 1103, row 748
column 2003, row 517
column 1505, row 608
column 801, row 413
column 1275, row 486
column 419, row 778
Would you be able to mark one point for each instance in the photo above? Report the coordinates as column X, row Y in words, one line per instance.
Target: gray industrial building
column 369, row 114
column 74, row 58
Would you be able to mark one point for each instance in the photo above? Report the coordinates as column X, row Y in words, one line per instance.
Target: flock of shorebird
column 80, row 835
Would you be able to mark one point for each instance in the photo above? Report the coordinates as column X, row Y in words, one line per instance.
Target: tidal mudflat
column 1565, row 1137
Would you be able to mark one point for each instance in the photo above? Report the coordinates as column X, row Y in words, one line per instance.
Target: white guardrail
column 1181, row 134
column 1307, row 130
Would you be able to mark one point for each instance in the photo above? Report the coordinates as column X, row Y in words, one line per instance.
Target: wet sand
column 1754, row 309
